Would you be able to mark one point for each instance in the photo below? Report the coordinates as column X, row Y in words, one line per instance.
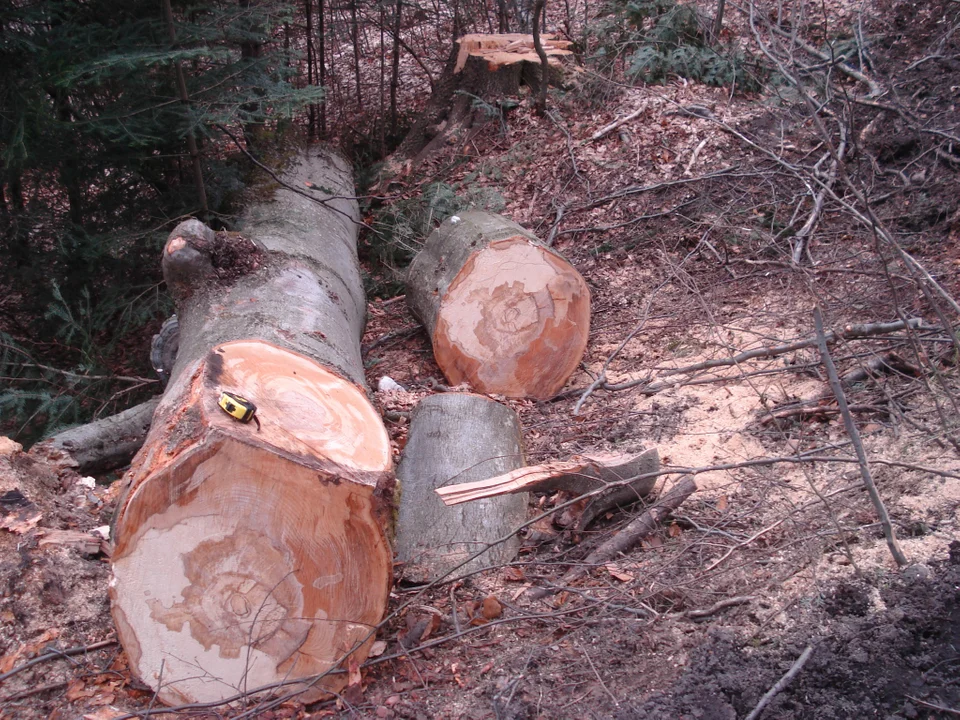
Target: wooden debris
column 614, row 480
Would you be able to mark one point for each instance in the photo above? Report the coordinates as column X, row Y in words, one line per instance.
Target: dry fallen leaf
column 433, row 622
column 78, row 690
column 618, row 574
column 105, row 713
column 378, row 648
column 29, row 648
column 514, row 574
column 491, row 608
column 722, row 503
column 674, row 530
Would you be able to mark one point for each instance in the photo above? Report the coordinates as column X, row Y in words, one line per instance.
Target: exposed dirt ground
column 781, row 548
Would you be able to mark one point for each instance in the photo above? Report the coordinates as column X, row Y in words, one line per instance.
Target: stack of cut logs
column 256, row 554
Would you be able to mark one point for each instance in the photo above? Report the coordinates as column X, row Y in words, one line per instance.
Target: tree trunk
column 192, row 147
column 100, row 446
column 538, row 14
column 355, row 36
column 250, row 553
column 312, row 110
column 457, row 437
column 395, row 69
column 505, row 313
column 322, row 55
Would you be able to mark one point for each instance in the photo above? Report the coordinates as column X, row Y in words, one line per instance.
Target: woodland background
column 716, row 171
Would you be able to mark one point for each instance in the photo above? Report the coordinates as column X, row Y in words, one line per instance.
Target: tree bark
column 457, row 437
column 504, row 312
column 250, row 553
column 100, row 446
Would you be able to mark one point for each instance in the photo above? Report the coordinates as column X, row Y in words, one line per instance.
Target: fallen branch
column 781, row 683
column 717, row 607
column 603, row 482
column 631, row 535
column 850, row 332
column 607, row 129
column 56, row 655
column 102, row 445
column 854, row 434
column 637, row 189
column 804, row 233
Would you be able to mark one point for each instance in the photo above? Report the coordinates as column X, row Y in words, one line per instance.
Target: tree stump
column 490, row 68
column 251, row 553
column 504, row 312
column 457, row 437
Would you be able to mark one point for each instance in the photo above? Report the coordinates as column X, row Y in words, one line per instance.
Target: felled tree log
column 252, row 553
column 457, row 436
column 613, row 479
column 503, row 311
column 102, row 445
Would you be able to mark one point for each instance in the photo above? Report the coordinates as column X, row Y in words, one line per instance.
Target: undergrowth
column 663, row 39
column 76, row 377
column 399, row 229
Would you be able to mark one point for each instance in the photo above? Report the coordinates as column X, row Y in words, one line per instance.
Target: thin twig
column 718, row 606
column 781, row 683
column 854, row 434
column 55, row 655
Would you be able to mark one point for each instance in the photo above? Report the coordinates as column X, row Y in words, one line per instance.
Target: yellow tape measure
column 238, row 407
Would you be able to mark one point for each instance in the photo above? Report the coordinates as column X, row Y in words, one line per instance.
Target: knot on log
column 195, row 255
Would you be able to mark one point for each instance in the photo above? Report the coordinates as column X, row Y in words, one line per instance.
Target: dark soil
column 898, row 662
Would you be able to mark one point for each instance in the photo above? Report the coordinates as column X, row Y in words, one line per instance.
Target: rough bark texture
column 503, row 311
column 456, row 436
column 613, row 479
column 100, row 446
column 251, row 553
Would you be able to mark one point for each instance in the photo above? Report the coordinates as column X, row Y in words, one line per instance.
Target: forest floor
column 684, row 227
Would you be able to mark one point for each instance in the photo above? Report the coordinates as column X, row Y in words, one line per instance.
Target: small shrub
column 399, row 229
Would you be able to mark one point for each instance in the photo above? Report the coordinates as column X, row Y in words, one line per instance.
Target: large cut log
column 504, row 312
column 102, row 445
column 604, row 480
column 457, row 436
column 249, row 553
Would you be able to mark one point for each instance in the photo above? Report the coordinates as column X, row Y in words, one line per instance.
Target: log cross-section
column 505, row 313
column 252, row 553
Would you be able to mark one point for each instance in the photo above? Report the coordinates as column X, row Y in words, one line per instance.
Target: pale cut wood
column 248, row 554
column 457, row 436
column 615, row 480
column 504, row 312
column 102, row 445
column 508, row 48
